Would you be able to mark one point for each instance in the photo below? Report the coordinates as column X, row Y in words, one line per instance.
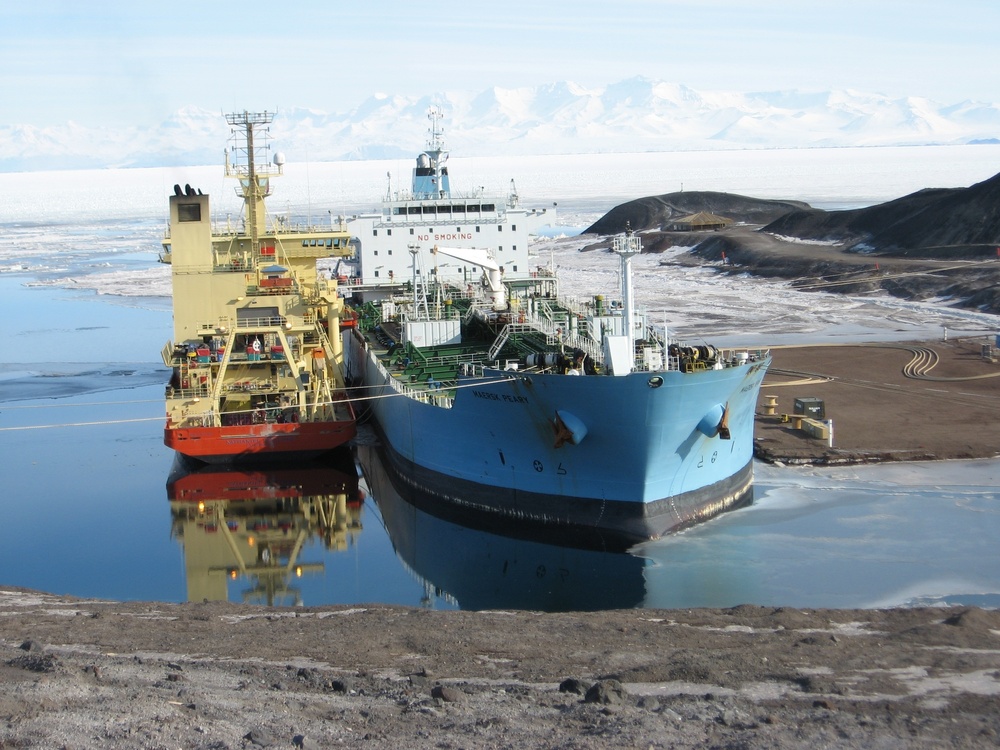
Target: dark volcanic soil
column 89, row 674
column 964, row 283
column 936, row 243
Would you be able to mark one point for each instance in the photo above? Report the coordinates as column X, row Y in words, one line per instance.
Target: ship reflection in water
column 255, row 525
column 475, row 564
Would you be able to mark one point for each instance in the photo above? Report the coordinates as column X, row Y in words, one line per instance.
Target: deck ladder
column 498, row 344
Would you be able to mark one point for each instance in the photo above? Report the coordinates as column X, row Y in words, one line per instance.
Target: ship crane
column 483, row 259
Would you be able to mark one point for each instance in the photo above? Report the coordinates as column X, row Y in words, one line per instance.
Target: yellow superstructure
column 256, row 326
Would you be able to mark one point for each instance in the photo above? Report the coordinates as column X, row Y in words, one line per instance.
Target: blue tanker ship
column 493, row 395
column 501, row 398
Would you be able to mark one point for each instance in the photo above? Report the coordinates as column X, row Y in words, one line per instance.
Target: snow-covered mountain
column 634, row 115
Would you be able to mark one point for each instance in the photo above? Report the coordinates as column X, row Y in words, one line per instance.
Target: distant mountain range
column 634, row 115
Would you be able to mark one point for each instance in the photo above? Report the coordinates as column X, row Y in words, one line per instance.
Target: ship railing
column 724, row 359
column 576, row 306
column 202, row 389
column 186, row 393
column 270, row 321
column 414, row 209
column 557, row 334
column 234, row 265
column 735, row 357
column 244, row 386
column 271, row 414
column 217, row 327
column 280, row 227
column 273, row 290
column 434, row 396
column 435, row 312
column 456, row 360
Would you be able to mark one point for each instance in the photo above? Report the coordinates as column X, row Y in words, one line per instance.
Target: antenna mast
column 250, row 166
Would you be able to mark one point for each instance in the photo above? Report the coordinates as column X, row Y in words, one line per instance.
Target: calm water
column 93, row 505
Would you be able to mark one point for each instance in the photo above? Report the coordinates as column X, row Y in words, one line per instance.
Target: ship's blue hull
column 646, row 461
column 482, row 566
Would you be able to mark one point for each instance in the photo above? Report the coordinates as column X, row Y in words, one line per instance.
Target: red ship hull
column 259, row 441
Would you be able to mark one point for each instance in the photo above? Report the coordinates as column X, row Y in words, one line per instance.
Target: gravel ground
column 884, row 409
column 96, row 674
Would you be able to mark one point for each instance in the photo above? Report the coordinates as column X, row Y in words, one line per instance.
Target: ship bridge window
column 489, row 207
column 458, row 209
column 329, row 241
column 472, row 209
column 413, row 210
column 430, row 209
column 188, row 212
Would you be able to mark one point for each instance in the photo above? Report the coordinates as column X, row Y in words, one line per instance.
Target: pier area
column 909, row 401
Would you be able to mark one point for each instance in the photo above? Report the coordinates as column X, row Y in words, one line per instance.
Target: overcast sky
column 134, row 62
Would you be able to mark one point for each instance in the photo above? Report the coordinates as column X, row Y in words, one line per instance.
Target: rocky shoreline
column 97, row 674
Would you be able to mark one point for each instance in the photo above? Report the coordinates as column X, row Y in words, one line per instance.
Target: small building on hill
column 700, row 222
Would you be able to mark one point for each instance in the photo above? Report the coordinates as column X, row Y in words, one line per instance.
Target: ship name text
column 500, row 397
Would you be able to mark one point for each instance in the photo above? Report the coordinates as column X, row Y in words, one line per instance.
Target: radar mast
column 430, row 177
column 249, row 164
